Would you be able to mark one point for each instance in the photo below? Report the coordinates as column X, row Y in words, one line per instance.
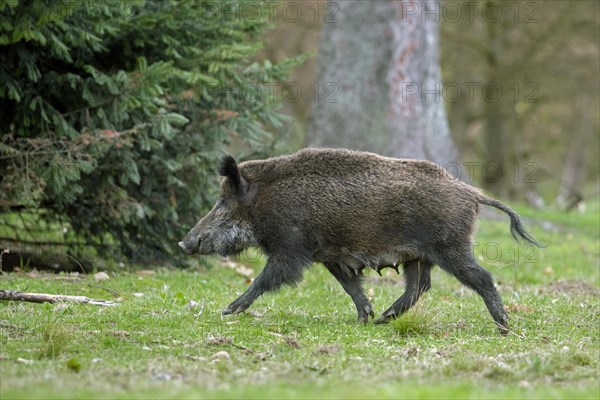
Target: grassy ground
column 167, row 337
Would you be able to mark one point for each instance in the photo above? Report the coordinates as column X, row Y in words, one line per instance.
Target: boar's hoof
column 363, row 315
column 230, row 310
column 503, row 329
column 386, row 317
column 235, row 308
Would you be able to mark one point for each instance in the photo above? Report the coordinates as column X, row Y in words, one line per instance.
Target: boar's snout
column 190, row 246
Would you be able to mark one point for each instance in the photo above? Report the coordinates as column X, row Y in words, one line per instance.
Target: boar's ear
column 229, row 169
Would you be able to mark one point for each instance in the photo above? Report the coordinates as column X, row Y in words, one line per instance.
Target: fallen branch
column 12, row 295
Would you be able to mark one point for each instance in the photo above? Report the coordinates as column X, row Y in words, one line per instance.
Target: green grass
column 304, row 342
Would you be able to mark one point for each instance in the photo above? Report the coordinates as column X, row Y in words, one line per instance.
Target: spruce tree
column 112, row 113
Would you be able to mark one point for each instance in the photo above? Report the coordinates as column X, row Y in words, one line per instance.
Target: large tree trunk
column 379, row 82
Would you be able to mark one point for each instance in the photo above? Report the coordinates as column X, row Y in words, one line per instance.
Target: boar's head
column 226, row 229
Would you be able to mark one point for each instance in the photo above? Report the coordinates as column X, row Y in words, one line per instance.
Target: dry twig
column 52, row 298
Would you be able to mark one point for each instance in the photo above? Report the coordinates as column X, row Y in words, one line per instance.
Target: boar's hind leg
column 277, row 272
column 352, row 286
column 471, row 274
column 417, row 275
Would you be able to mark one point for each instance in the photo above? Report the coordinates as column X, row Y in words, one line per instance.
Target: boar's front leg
column 279, row 271
column 352, row 285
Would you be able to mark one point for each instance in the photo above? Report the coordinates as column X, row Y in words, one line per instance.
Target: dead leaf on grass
column 262, row 356
column 221, row 355
column 329, row 349
column 411, row 352
column 219, row 340
column 519, row 308
column 195, row 358
column 290, row 341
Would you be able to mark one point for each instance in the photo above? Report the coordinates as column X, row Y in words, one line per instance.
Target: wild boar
column 349, row 210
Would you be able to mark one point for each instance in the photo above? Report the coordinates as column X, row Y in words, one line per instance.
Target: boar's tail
column 516, row 227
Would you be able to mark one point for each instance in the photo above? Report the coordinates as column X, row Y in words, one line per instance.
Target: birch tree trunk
column 379, row 84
